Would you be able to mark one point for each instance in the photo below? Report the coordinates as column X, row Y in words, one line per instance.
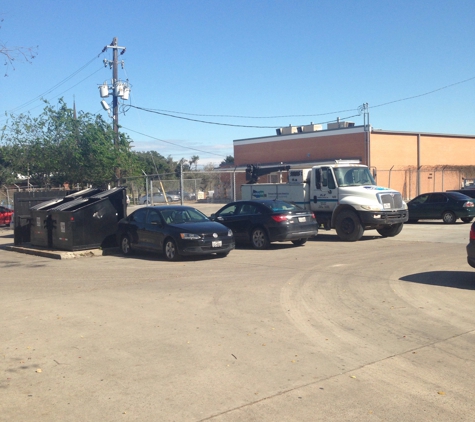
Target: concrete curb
column 54, row 254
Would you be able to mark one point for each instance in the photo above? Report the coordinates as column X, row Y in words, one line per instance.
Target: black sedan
column 263, row 221
column 448, row 206
column 174, row 231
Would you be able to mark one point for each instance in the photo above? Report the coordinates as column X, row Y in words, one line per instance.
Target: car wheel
column 170, row 250
column 348, row 226
column 125, row 245
column 467, row 219
column 299, row 242
column 259, row 238
column 390, row 231
column 449, row 217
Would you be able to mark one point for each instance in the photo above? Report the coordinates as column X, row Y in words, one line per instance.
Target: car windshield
column 353, row 176
column 279, row 206
column 180, row 216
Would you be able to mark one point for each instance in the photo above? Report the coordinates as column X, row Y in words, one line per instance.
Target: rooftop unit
column 340, row 124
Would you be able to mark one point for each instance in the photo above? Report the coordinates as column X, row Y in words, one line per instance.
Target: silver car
column 157, row 198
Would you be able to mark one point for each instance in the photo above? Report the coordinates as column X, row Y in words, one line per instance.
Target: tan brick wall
column 393, row 155
column 296, row 149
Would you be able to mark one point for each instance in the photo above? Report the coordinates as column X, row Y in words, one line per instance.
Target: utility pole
column 118, row 89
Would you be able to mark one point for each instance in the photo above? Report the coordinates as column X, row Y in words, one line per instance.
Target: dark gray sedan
column 262, row 221
column 174, row 231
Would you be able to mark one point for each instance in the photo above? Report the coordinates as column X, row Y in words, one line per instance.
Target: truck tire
column 390, row 231
column 348, row 226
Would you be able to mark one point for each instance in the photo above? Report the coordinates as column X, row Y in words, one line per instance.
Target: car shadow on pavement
column 456, row 279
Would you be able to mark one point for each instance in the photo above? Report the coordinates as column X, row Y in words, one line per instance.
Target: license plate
column 302, row 219
column 216, row 243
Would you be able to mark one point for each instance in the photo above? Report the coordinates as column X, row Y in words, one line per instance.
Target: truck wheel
column 259, row 238
column 348, row 226
column 299, row 242
column 390, row 231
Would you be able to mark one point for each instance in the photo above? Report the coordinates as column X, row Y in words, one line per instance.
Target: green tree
column 227, row 161
column 57, row 147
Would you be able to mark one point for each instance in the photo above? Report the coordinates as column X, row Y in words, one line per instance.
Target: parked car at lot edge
column 468, row 192
column 6, row 216
column 158, row 198
column 175, row 231
column 471, row 247
column 263, row 221
column 448, row 206
column 189, row 196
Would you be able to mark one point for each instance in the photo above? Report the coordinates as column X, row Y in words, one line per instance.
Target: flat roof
column 340, row 131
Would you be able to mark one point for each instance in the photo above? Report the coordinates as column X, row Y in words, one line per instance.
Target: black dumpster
column 40, row 220
column 41, row 223
column 87, row 223
column 22, row 218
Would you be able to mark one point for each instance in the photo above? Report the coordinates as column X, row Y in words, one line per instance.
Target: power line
column 426, row 93
column 223, row 124
column 198, row 121
column 52, row 88
column 172, row 143
column 250, row 117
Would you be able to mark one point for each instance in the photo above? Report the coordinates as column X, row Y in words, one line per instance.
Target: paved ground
column 376, row 330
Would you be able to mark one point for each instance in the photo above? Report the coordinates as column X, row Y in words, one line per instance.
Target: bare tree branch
column 18, row 53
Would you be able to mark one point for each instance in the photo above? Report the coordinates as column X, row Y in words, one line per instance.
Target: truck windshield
column 353, row 176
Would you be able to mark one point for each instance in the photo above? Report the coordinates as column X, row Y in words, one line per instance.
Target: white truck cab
column 342, row 195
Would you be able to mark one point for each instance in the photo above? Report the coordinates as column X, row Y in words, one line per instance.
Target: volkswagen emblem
column 215, row 235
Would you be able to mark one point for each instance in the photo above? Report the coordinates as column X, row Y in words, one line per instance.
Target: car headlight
column 190, row 236
column 230, row 232
column 371, row 207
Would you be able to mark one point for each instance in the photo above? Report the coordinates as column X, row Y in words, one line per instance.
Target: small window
column 230, row 210
column 437, row 198
column 139, row 216
column 248, row 209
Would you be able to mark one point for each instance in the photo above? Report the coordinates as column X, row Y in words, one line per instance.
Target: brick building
column 409, row 162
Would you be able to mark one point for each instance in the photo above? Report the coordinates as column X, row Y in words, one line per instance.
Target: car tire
column 391, row 231
column 170, row 250
column 259, row 238
column 348, row 226
column 125, row 247
column 299, row 242
column 449, row 217
column 467, row 219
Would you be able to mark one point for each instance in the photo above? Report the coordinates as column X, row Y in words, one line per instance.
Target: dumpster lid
column 46, row 204
column 109, row 192
column 83, row 193
column 71, row 204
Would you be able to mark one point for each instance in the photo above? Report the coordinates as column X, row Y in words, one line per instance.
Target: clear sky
column 243, row 62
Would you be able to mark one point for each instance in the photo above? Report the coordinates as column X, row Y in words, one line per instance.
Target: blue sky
column 214, row 60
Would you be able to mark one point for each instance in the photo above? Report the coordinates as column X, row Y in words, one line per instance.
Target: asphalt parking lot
column 376, row 330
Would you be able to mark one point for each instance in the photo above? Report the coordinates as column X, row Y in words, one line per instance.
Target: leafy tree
column 57, row 147
column 194, row 161
column 227, row 161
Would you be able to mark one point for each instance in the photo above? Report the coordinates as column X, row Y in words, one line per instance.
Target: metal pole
column 181, row 181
